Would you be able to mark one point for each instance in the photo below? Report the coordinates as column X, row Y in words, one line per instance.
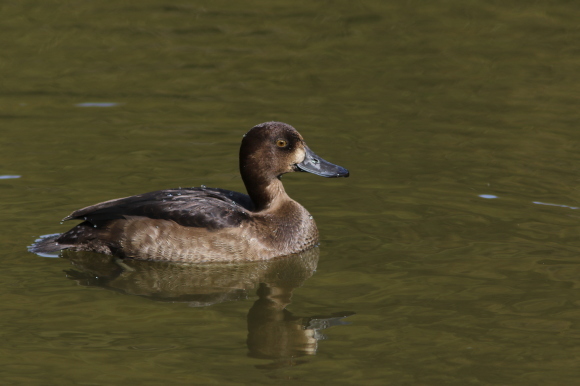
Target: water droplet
column 203, row 186
column 488, row 196
column 94, row 226
column 311, row 217
column 244, row 136
column 169, row 195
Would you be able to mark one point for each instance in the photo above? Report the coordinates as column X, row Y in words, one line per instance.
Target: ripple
column 97, row 104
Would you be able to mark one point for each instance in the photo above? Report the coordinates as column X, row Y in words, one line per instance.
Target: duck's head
column 274, row 148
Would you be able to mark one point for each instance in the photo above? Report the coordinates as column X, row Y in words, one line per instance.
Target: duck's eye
column 281, row 142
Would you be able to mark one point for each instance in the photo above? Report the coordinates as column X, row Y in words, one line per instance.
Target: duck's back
column 210, row 208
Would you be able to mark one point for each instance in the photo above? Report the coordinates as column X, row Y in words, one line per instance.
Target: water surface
column 454, row 242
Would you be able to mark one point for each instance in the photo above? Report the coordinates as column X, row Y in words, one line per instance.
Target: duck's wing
column 195, row 207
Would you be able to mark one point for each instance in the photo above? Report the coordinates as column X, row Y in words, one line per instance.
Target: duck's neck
column 265, row 193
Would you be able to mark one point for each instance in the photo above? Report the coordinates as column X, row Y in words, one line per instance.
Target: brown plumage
column 209, row 224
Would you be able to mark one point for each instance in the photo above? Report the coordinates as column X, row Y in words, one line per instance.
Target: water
column 422, row 276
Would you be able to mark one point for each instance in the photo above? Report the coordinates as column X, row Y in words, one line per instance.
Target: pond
column 450, row 256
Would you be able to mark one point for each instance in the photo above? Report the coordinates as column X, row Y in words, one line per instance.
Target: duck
column 206, row 225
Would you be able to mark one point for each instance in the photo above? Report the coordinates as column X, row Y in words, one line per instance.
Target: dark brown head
column 274, row 148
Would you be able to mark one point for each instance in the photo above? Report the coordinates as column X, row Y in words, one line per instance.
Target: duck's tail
column 47, row 246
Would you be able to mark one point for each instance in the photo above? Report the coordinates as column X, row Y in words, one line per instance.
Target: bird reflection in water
column 273, row 332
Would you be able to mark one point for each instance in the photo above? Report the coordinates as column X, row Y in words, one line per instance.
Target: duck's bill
column 316, row 165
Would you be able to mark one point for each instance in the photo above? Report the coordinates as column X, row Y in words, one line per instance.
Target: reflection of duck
column 273, row 331
column 209, row 224
column 199, row 284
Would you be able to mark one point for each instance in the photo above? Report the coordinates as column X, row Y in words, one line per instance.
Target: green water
column 429, row 105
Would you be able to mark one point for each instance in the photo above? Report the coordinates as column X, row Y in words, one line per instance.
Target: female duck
column 209, row 224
